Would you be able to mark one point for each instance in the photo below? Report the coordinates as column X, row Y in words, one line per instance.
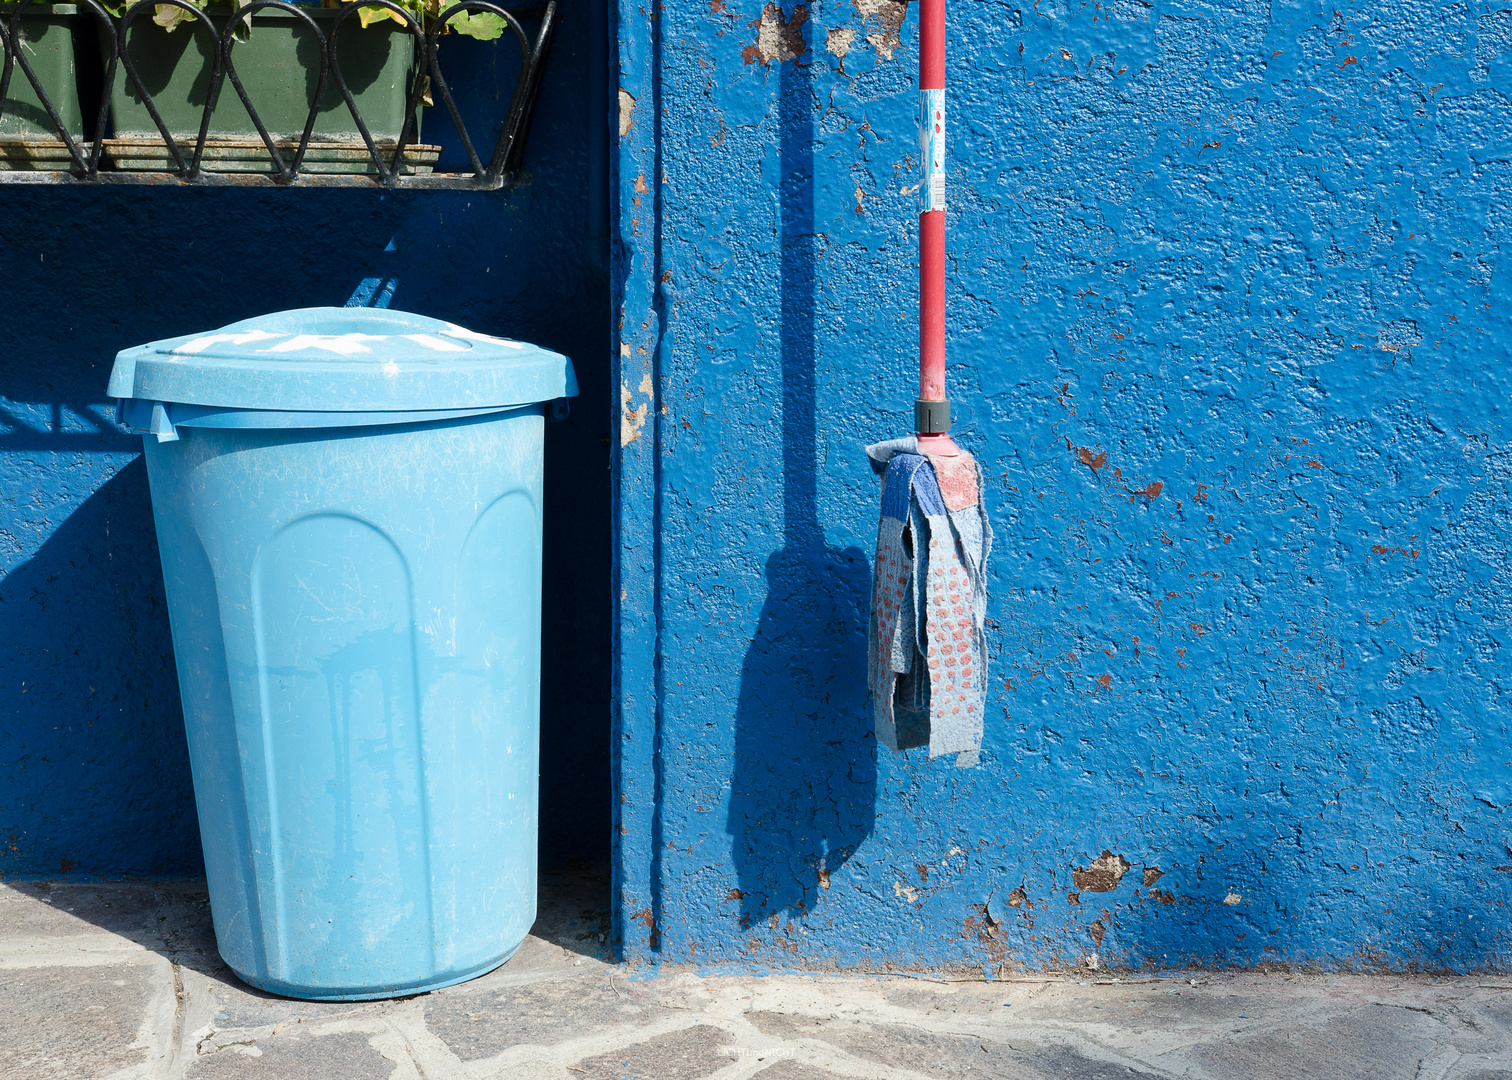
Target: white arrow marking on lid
column 200, row 344
column 345, row 344
column 453, row 330
column 432, row 342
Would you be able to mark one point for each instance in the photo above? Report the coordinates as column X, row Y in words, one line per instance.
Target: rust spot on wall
column 1152, row 874
column 824, row 882
column 646, row 919
column 1151, row 491
column 1106, row 871
column 777, row 38
column 1017, row 897
column 1164, row 897
column 640, row 188
column 1089, row 459
column 1383, row 550
column 733, row 895
column 1097, row 930
column 1105, row 681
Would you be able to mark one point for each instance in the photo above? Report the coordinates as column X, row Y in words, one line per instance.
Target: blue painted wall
column 1229, row 305
column 94, row 778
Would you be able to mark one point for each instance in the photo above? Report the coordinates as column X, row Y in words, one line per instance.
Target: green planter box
column 279, row 66
column 28, row 139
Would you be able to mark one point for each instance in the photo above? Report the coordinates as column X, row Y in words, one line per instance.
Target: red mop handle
column 932, row 411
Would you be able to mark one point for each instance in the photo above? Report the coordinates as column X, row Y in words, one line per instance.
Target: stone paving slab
column 122, row 982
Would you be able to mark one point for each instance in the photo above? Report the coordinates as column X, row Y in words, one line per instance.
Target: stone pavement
column 123, row 981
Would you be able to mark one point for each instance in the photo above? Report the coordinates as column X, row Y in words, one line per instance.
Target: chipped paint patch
column 886, row 19
column 837, row 42
column 1103, row 875
column 778, row 37
column 626, row 111
column 633, row 420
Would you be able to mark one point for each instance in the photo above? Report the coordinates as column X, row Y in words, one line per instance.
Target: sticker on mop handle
column 932, row 148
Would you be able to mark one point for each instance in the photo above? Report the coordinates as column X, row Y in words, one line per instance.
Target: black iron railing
column 391, row 165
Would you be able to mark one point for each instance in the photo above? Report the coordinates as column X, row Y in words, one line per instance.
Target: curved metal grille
column 286, row 161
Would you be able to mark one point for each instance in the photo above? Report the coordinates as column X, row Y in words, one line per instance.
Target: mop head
column 928, row 659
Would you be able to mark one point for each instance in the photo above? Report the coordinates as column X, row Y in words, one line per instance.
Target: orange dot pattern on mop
column 953, row 659
column 890, row 578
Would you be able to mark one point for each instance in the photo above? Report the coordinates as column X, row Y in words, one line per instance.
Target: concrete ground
column 123, row 981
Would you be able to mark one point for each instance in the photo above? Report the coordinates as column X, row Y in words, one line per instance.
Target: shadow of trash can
column 348, row 505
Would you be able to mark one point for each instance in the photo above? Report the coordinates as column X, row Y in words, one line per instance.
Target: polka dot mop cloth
column 928, row 660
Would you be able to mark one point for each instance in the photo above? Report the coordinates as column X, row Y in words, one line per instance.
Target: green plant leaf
column 169, row 16
column 369, row 15
column 483, row 25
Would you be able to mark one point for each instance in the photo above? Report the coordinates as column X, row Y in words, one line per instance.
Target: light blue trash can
column 348, row 506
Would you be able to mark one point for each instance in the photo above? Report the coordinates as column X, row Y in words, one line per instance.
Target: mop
column 927, row 653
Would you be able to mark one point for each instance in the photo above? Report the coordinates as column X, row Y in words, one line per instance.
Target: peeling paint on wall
column 626, row 112
column 1103, row 875
column 1229, row 317
column 883, row 20
column 778, row 36
column 633, row 418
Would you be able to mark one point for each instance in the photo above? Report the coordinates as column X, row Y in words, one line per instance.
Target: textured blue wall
column 1229, row 303
column 94, row 777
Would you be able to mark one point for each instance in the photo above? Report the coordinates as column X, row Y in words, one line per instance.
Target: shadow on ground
column 173, row 919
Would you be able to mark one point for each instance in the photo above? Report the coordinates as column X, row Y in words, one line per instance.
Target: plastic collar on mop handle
column 931, row 417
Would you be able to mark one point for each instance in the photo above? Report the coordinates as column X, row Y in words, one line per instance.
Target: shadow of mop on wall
column 805, row 776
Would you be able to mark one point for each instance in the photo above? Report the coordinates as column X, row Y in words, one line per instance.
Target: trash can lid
column 342, row 360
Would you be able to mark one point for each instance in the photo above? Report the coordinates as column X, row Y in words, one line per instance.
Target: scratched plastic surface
column 356, row 620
